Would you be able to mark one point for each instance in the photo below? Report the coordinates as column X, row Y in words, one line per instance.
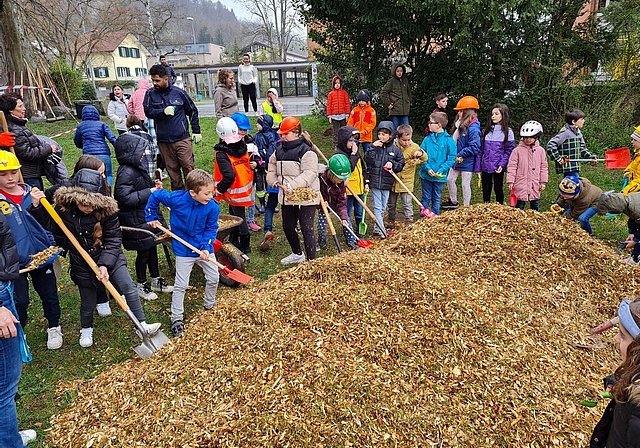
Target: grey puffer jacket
column 31, row 152
column 225, row 100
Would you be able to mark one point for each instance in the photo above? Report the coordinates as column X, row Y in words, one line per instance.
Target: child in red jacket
column 338, row 106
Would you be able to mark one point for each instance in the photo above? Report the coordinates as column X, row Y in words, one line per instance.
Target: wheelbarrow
column 226, row 253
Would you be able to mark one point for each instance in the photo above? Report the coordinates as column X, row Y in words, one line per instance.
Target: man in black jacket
column 171, row 73
column 170, row 106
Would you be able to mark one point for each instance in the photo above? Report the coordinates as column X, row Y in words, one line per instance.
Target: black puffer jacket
column 98, row 232
column 31, row 152
column 132, row 190
column 376, row 157
column 619, row 426
column 9, row 263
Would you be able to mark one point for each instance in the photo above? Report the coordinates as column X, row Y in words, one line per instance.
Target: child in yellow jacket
column 413, row 155
column 631, row 176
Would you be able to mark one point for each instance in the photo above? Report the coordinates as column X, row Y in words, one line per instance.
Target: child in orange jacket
column 363, row 118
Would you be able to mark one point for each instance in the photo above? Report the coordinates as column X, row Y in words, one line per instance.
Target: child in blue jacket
column 90, row 137
column 194, row 218
column 441, row 155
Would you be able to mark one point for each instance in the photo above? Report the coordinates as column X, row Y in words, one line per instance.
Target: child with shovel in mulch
column 334, row 194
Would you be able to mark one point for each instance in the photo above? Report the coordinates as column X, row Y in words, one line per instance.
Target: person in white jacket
column 117, row 109
column 248, row 79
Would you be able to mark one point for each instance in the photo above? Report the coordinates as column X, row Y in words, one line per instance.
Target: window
column 101, row 72
column 135, row 53
column 124, row 52
column 124, row 72
column 141, row 72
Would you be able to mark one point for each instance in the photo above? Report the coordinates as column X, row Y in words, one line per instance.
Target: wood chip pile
column 459, row 331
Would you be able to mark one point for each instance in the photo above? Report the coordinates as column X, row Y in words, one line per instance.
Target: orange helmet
column 467, row 102
column 288, row 124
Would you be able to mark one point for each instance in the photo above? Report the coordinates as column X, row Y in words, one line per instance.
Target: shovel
column 331, row 228
column 355, row 196
column 614, row 159
column 362, row 243
column 362, row 226
column 424, row 212
column 150, row 344
column 236, row 275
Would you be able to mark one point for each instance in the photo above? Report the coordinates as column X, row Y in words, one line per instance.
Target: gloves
column 625, row 182
column 196, row 138
column 54, row 158
column 170, row 110
column 7, row 139
column 459, row 159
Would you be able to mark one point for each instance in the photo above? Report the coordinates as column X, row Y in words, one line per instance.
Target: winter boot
column 234, row 237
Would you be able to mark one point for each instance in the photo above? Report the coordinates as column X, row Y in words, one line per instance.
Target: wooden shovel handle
column 395, row 176
column 355, row 196
column 192, row 247
column 87, row 258
column 5, row 128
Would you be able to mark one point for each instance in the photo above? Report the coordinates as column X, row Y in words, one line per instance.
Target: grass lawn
column 47, row 384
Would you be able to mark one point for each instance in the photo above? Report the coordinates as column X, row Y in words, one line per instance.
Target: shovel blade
column 150, row 344
column 364, row 243
column 237, row 275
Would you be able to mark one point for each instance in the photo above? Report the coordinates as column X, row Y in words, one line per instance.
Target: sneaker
column 390, row 233
column 86, row 337
column 210, row 307
column 265, row 245
column 104, row 309
column 449, row 204
column 276, row 210
column 390, row 224
column 260, row 210
column 144, row 291
column 630, row 261
column 177, row 328
column 160, row 285
column 253, row 226
column 151, row 329
column 54, row 338
column 293, row 259
column 28, row 435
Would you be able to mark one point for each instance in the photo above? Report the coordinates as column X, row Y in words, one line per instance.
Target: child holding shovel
column 194, row 218
column 380, row 155
column 413, row 156
column 334, row 193
column 91, row 216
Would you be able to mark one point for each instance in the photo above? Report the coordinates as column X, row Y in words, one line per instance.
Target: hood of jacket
column 615, row 203
column 143, row 84
column 333, row 81
column 90, row 180
column 395, row 66
column 344, row 134
column 90, row 113
column 237, row 149
column 266, row 121
column 67, row 198
column 130, row 148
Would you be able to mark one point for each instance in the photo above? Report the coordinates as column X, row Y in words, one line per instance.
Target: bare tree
column 15, row 50
column 277, row 23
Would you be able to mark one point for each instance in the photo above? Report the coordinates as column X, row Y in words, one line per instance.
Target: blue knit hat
column 569, row 186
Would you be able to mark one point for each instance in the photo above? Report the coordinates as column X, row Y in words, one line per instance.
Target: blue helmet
column 242, row 121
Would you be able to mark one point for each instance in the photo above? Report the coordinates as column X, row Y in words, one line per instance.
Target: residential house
column 119, row 56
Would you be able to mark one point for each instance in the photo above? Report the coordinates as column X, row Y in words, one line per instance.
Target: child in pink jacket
column 527, row 170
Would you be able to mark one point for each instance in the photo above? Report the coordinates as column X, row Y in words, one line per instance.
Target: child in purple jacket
column 496, row 145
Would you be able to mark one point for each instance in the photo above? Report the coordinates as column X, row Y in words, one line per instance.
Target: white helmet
column 227, row 130
column 530, row 129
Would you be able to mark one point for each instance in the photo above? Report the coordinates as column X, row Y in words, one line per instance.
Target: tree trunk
column 15, row 50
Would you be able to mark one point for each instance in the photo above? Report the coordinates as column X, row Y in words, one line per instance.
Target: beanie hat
column 570, row 186
column 636, row 134
column 363, row 95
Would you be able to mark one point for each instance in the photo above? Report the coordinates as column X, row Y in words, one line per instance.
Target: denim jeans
column 269, row 210
column 380, row 200
column 34, row 182
column 431, row 195
column 584, row 218
column 251, row 211
column 108, row 168
column 397, row 120
column 353, row 205
column 10, row 371
column 45, row 284
column 534, row 204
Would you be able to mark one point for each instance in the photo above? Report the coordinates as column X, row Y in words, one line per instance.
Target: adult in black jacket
column 92, row 218
column 132, row 189
column 30, row 150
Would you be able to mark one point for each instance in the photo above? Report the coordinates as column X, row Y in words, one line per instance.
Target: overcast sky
column 239, row 10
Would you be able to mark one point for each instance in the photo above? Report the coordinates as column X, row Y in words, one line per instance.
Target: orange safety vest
column 239, row 193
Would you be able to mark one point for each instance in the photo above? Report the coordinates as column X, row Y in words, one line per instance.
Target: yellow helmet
column 8, row 161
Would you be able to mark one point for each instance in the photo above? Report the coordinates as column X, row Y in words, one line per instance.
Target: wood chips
column 460, row 331
column 41, row 258
column 301, row 194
